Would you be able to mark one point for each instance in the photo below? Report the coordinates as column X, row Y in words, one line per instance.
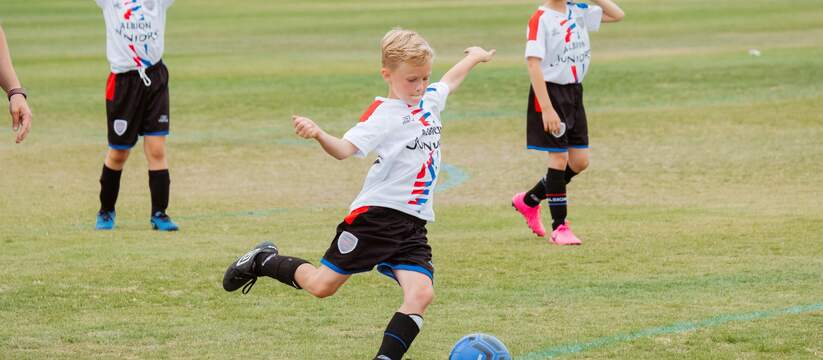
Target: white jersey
column 135, row 30
column 407, row 141
column 561, row 40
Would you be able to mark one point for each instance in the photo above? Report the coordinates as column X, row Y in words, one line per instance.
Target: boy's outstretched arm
column 474, row 55
column 611, row 12
column 336, row 147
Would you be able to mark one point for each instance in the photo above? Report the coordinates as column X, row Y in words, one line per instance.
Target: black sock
column 109, row 188
column 279, row 267
column 400, row 333
column 159, row 182
column 536, row 194
column 556, row 193
column 569, row 174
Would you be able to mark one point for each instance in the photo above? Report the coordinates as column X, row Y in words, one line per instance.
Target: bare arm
column 336, row 147
column 551, row 121
column 474, row 55
column 8, row 78
column 538, row 82
column 611, row 12
column 18, row 106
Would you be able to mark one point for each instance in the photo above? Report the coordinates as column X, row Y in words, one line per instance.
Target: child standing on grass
column 558, row 56
column 387, row 224
column 137, row 103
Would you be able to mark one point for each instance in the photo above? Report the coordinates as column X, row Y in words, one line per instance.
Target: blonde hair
column 405, row 46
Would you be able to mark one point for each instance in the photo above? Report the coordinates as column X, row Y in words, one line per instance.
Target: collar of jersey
column 391, row 101
column 553, row 11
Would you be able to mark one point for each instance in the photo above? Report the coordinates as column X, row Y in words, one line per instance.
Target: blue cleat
column 162, row 222
column 105, row 220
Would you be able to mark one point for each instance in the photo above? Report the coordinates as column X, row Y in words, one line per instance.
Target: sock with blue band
column 556, row 193
column 399, row 334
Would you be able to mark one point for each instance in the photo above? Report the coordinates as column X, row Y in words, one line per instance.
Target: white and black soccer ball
column 479, row 347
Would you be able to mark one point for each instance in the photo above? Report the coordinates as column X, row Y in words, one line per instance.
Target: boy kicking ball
column 387, row 224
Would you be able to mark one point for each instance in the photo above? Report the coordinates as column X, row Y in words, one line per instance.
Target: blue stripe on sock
column 398, row 339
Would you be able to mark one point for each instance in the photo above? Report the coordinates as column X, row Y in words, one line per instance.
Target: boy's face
column 408, row 82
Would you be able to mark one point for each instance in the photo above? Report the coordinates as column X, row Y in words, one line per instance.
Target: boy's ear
column 386, row 73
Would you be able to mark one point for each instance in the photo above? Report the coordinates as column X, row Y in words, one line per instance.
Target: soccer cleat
column 243, row 272
column 532, row 214
column 162, row 222
column 105, row 220
column 563, row 235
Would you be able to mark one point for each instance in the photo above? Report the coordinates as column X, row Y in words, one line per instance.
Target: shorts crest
column 120, row 126
column 346, row 242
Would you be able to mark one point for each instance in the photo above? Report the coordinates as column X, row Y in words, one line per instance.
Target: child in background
column 558, row 56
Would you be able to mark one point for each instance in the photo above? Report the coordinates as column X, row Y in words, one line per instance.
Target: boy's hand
column 480, row 54
column 305, row 127
column 551, row 122
column 20, row 116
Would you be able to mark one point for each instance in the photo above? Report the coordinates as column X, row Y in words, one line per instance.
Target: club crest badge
column 120, row 126
column 346, row 242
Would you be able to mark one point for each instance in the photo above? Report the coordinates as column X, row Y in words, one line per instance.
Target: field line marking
column 671, row 329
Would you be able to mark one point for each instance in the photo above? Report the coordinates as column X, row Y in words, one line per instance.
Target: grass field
column 701, row 214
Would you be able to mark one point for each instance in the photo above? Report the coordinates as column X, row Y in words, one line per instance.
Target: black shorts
column 376, row 236
column 134, row 109
column 567, row 101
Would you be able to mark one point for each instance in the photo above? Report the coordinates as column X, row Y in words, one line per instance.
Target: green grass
column 703, row 203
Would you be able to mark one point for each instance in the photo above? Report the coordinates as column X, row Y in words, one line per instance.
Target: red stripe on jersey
column 416, row 111
column 419, row 183
column 110, row 86
column 353, row 215
column 533, row 24
column 418, row 191
column 370, row 110
column 537, row 107
column 422, row 172
column 574, row 72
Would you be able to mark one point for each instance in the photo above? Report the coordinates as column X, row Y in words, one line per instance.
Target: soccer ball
column 479, row 347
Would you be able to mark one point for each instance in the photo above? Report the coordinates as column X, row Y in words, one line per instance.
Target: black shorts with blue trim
column 567, row 101
column 377, row 236
column 134, row 109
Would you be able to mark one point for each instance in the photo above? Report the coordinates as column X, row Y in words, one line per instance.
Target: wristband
column 16, row 91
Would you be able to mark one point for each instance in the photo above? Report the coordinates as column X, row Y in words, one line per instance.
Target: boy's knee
column 322, row 290
column 118, row 156
column 156, row 154
column 421, row 297
column 579, row 165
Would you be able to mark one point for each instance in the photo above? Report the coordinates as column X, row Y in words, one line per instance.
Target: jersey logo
column 346, row 242
column 120, row 126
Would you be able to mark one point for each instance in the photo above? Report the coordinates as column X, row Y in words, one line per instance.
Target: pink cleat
column 563, row 235
column 532, row 214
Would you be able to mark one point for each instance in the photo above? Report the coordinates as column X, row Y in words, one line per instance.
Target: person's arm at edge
column 18, row 106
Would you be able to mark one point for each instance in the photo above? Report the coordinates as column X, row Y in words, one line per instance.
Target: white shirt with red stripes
column 561, row 40
column 135, row 31
column 406, row 139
